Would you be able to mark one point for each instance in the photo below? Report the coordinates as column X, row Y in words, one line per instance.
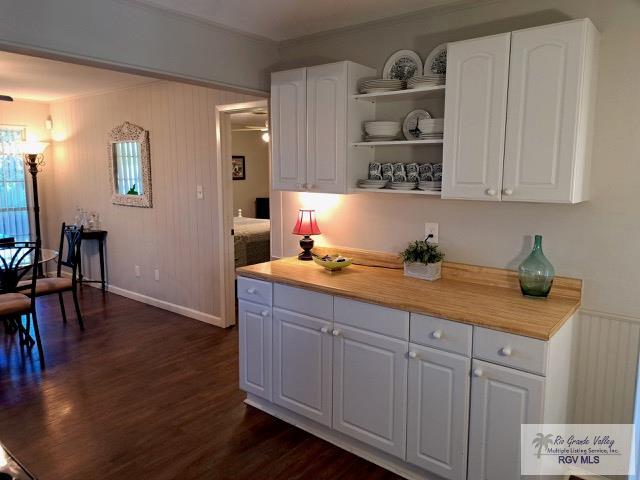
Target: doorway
column 245, row 193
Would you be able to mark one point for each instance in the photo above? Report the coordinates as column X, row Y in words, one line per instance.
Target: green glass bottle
column 536, row 272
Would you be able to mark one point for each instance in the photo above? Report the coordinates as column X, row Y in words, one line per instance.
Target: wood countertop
column 472, row 302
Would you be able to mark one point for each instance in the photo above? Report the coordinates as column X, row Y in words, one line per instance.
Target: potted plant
column 422, row 260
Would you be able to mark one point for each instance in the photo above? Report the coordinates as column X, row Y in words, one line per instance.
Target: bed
column 251, row 238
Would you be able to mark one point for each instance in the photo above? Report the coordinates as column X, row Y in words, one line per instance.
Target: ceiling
column 251, row 119
column 32, row 78
column 286, row 19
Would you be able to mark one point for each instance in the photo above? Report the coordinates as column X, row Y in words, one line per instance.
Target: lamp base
column 306, row 243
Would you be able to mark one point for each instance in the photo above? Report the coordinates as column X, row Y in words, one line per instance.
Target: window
column 14, row 209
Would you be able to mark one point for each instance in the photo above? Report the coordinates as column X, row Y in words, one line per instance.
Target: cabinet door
column 370, row 388
column 438, row 411
column 543, row 115
column 475, row 112
column 255, row 348
column 302, row 351
column 501, row 400
column 289, row 129
column 327, row 128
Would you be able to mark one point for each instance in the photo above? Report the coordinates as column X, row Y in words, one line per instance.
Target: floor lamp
column 34, row 160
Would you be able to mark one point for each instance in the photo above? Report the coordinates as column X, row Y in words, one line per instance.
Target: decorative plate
column 436, row 62
column 410, row 124
column 402, row 65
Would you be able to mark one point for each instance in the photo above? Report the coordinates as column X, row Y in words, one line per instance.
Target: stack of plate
column 403, row 185
column 431, row 128
column 425, row 81
column 433, row 186
column 381, row 131
column 380, row 85
column 372, row 184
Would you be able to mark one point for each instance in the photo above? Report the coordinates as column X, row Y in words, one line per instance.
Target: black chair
column 72, row 236
column 16, row 260
column 5, row 240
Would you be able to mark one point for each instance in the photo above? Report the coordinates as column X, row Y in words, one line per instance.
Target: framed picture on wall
column 237, row 162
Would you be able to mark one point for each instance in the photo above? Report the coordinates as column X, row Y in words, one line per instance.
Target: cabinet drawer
column 255, row 291
column 515, row 351
column 299, row 300
column 443, row 334
column 374, row 318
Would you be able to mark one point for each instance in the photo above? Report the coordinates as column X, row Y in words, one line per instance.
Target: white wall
column 596, row 241
column 138, row 37
column 256, row 153
column 179, row 234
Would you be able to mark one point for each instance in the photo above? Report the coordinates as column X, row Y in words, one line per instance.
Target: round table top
column 46, row 255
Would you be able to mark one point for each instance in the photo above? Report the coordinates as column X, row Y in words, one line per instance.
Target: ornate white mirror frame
column 128, row 132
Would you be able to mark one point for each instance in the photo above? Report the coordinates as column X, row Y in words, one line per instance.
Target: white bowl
column 382, row 128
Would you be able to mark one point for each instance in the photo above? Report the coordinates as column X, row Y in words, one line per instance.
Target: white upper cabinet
column 550, row 86
column 289, row 129
column 327, row 128
column 540, row 83
column 475, row 113
column 312, row 124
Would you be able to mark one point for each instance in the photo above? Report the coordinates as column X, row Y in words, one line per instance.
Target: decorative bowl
column 333, row 262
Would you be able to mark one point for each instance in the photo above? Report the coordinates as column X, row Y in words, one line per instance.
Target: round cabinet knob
column 324, row 330
column 413, row 354
column 492, row 192
column 507, row 191
column 437, row 334
column 251, row 290
column 505, row 351
column 264, row 313
column 336, row 333
column 477, row 372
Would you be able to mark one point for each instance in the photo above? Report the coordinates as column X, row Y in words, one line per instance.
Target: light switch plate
column 199, row 192
column 431, row 228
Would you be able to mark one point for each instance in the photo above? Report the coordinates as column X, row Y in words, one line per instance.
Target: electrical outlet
column 156, row 273
column 137, row 270
column 199, row 192
column 431, row 229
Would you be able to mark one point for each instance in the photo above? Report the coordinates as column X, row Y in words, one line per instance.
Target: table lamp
column 306, row 225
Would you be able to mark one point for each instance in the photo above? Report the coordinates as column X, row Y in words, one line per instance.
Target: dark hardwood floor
column 147, row 394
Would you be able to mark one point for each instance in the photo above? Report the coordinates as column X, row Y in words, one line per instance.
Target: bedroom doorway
column 250, row 185
column 244, row 191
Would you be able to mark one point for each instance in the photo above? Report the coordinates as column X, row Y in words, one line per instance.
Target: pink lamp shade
column 306, row 223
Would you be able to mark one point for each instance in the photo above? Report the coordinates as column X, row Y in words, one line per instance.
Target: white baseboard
column 156, row 302
column 172, row 307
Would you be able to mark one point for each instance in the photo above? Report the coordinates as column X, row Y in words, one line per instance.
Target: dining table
column 9, row 281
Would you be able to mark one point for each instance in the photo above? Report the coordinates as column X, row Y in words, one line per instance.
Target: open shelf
column 390, row 191
column 401, row 94
column 395, row 143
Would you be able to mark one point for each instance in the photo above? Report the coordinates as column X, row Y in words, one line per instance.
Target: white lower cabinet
column 255, row 347
column 370, row 388
column 438, row 411
column 302, row 351
column 501, row 399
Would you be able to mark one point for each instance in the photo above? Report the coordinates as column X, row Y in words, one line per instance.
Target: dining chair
column 16, row 260
column 71, row 236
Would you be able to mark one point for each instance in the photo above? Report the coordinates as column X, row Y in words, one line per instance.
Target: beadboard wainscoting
column 606, row 373
column 179, row 235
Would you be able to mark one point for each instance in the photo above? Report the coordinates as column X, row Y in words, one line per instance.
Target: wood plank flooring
column 147, row 394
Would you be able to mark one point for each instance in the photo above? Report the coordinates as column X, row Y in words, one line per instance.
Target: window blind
column 14, row 205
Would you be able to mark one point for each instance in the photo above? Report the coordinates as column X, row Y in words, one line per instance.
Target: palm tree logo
column 542, row 441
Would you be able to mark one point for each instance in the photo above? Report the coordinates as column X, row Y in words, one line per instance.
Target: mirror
column 130, row 166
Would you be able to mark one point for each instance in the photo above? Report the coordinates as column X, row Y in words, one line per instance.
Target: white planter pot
column 430, row 271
